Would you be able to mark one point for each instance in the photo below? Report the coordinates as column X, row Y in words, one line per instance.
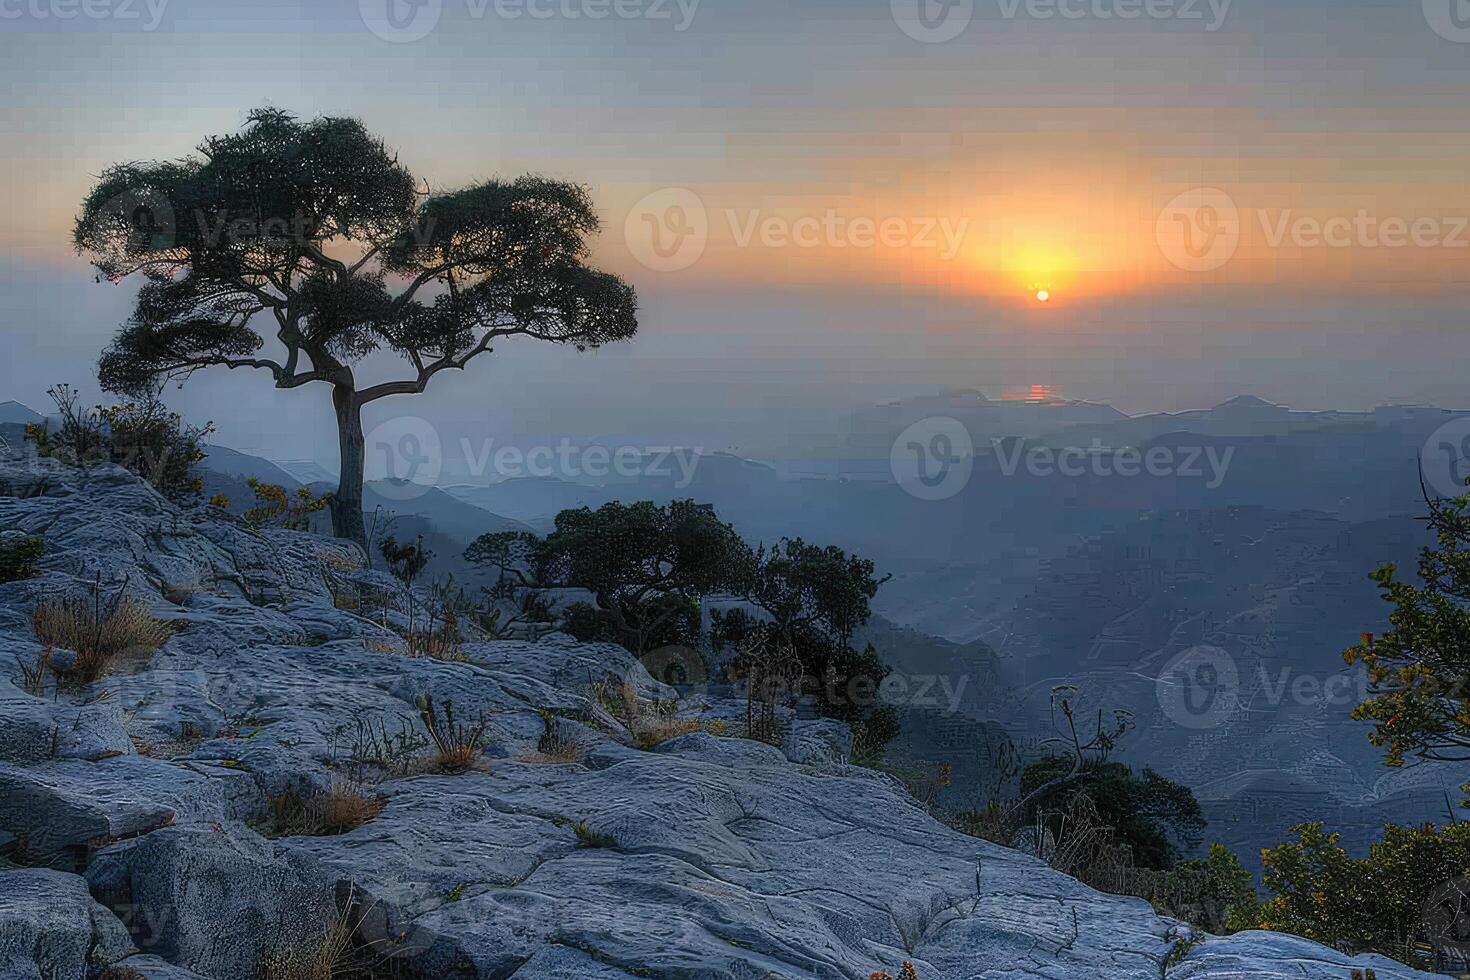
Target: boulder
column 50, row 928
column 214, row 899
column 61, row 812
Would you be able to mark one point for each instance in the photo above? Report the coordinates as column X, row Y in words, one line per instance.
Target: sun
column 1043, row 296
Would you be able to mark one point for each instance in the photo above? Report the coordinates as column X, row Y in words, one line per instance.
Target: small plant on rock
column 458, row 746
column 342, row 808
column 18, row 556
column 33, row 678
column 279, row 508
column 553, row 747
column 98, row 630
column 374, row 752
column 907, row 972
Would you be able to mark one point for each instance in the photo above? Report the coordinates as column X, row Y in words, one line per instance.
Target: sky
column 822, row 204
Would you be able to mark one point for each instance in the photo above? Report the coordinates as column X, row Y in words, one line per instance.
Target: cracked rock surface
column 132, row 808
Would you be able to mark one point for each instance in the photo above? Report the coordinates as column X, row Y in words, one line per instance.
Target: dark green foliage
column 811, row 600
column 1216, row 894
column 142, row 436
column 1147, row 813
column 1420, row 669
column 302, row 226
column 1384, row 902
column 513, row 555
column 18, row 556
column 406, row 562
column 648, row 566
column 804, row 585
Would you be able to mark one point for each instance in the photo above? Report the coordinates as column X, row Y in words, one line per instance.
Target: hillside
column 141, row 794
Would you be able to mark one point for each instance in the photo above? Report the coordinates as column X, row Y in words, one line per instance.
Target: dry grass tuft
column 329, row 958
column 458, row 746
column 340, row 809
column 553, row 748
column 651, row 722
column 33, row 679
column 98, row 630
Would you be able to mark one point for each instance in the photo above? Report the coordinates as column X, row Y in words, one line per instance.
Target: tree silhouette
column 316, row 230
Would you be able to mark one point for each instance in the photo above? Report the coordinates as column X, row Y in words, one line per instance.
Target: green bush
column 18, row 556
column 144, row 437
column 1149, row 814
column 1374, row 903
column 1216, row 894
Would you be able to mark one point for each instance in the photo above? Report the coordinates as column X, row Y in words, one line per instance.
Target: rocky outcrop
column 138, row 802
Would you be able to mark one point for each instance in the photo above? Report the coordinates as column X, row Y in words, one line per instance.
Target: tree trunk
column 347, row 520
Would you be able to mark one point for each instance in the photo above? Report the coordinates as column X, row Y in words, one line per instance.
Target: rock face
column 580, row 847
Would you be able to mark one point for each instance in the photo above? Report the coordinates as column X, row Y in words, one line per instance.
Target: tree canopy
column 317, row 231
column 1419, row 671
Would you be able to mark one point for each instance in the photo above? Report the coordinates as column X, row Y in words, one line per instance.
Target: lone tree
column 317, row 231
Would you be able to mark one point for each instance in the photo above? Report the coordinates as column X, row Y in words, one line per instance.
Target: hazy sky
column 824, row 203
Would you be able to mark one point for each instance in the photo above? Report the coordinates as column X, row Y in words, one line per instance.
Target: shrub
column 907, row 972
column 651, row 722
column 18, row 556
column 342, row 808
column 155, row 444
column 97, row 630
column 276, row 507
column 406, row 562
column 458, row 746
column 143, row 436
column 1147, row 813
column 553, row 747
column 987, row 824
column 374, row 752
column 1374, row 903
